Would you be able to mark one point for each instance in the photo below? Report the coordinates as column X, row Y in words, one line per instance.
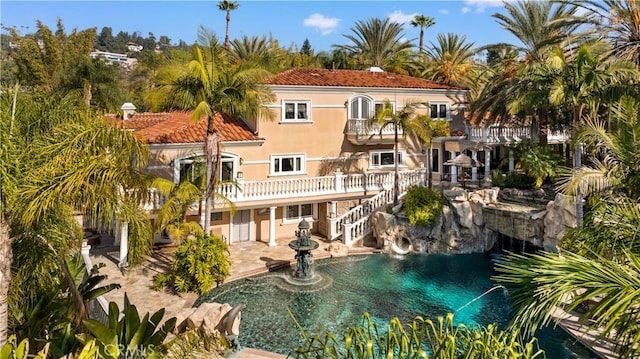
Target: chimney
column 128, row 110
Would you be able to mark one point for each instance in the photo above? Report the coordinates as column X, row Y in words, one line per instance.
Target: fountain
column 303, row 245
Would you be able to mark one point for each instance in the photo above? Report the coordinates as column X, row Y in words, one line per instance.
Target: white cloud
column 443, row 11
column 325, row 25
column 481, row 5
column 400, row 17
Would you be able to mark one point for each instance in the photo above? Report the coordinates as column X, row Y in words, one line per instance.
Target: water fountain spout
column 482, row 295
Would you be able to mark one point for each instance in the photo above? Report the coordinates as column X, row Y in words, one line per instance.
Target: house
column 320, row 158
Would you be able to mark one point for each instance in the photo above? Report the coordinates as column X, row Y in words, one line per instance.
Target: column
column 338, row 181
column 454, row 170
column 333, row 212
column 474, row 169
column 512, row 166
column 124, row 245
column 272, row 227
column 487, row 163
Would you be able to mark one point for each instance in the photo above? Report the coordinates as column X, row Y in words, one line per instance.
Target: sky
column 323, row 23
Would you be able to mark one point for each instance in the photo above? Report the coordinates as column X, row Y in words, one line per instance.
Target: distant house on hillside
column 133, row 47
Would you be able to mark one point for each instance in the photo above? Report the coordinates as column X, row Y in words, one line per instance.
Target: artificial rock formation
column 469, row 223
column 212, row 318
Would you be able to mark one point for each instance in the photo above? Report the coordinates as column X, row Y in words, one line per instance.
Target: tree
column 227, row 6
column 424, row 22
column 539, row 25
column 377, row 42
column 541, row 283
column 212, row 91
column 426, row 129
column 622, row 30
column 306, row 48
column 59, row 161
column 403, row 121
column 450, row 60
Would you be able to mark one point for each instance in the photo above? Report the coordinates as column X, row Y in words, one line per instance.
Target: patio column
column 333, row 212
column 487, row 163
column 512, row 166
column 454, row 170
column 272, row 227
column 474, row 169
column 124, row 245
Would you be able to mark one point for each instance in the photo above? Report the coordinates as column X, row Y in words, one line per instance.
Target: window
column 299, row 211
column 360, row 107
column 216, row 216
column 435, row 161
column 384, row 159
column 439, row 110
column 379, row 107
column 296, row 111
column 287, row 164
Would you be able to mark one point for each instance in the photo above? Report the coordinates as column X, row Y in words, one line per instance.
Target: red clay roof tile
column 178, row 127
column 354, row 78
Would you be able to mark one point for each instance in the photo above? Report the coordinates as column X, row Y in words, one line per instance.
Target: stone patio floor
column 247, row 259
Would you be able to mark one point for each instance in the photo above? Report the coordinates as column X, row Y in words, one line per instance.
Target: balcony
column 363, row 132
column 505, row 135
column 274, row 192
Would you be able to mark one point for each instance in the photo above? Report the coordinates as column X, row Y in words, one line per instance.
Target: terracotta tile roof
column 355, row 78
column 178, row 127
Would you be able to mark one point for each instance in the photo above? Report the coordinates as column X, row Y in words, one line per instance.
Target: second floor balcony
column 364, row 132
column 500, row 134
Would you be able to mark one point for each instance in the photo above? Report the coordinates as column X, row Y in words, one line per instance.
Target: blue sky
column 291, row 22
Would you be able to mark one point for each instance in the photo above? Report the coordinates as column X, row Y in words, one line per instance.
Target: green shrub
column 198, row 264
column 423, row 205
column 512, row 180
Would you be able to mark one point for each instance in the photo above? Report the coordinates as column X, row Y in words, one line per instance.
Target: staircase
column 355, row 224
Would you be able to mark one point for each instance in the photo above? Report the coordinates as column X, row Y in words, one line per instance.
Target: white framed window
column 361, row 107
column 379, row 107
column 295, row 213
column 287, row 164
column 378, row 159
column 440, row 110
column 193, row 168
column 296, row 111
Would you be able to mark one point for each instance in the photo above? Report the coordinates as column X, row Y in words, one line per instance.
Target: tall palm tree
column 450, row 60
column 377, row 42
column 424, row 22
column 622, row 29
column 227, row 6
column 539, row 25
column 403, row 121
column 210, row 89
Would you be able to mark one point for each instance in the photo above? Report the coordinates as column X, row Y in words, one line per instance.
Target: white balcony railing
column 364, row 127
column 338, row 184
column 500, row 134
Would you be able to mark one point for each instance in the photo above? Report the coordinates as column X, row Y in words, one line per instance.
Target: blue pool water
column 384, row 286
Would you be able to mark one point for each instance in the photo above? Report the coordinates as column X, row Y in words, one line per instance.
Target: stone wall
column 469, row 223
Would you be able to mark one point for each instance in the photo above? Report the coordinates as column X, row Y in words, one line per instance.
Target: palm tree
column 450, row 60
column 541, row 283
column 403, row 121
column 426, row 129
column 211, row 91
column 376, row 42
column 61, row 161
column 424, row 22
column 539, row 25
column 227, row 6
column 622, row 28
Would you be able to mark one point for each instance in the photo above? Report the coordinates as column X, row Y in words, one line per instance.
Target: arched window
column 361, row 107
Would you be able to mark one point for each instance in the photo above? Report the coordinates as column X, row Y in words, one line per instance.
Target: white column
column 333, row 213
column 338, row 178
column 124, row 245
column 272, row 227
column 512, row 166
column 487, row 163
column 454, row 169
column 474, row 169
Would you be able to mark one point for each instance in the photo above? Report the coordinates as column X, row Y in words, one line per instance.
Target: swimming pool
column 385, row 286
